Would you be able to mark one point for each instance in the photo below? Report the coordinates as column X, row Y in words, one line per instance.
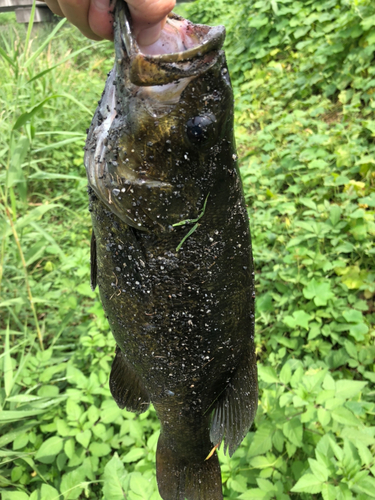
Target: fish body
column 171, row 251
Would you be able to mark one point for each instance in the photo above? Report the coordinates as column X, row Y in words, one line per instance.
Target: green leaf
column 329, row 492
column 73, row 483
column 14, row 495
column 299, row 318
column 293, row 430
column 69, row 448
column 320, row 291
column 265, row 485
column 73, row 410
column 353, row 316
column 262, row 440
column 265, row 303
column 308, row 202
column 140, row 485
column 134, row 455
column 324, row 416
column 335, row 214
column 308, row 484
column 49, row 449
column 278, row 440
column 359, row 331
column 368, row 22
column 261, row 462
column 267, row 374
column 285, row 374
column 366, row 485
column 48, row 492
column 114, row 476
column 84, row 438
column 349, row 388
column 99, row 449
column 320, row 471
column 20, row 441
column 345, row 416
column 363, row 451
column 253, row 494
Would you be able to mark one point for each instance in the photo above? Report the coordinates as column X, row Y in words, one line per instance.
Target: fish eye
column 198, row 129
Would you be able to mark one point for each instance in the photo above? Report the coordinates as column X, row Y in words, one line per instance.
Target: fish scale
column 171, row 252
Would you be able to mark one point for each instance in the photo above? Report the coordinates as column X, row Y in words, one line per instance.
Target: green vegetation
column 304, row 79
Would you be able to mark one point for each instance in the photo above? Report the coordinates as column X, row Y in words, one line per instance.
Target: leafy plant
column 303, row 79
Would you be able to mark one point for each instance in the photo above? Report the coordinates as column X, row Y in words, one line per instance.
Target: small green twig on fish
column 186, row 237
column 191, row 221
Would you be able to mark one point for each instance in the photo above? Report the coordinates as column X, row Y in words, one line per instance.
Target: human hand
column 94, row 17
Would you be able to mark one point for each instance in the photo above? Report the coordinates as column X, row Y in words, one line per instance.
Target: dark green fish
column 171, row 249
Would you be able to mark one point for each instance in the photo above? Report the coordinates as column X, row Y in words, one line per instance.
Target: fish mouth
column 183, row 50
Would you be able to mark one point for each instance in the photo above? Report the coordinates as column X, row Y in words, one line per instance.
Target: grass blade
column 56, row 145
column 47, row 236
column 6, row 57
column 15, row 416
column 25, row 117
column 46, row 42
column 7, row 367
column 30, row 26
column 65, row 59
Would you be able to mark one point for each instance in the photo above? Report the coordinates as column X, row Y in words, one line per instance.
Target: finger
column 76, row 11
column 148, row 18
column 100, row 18
column 54, row 6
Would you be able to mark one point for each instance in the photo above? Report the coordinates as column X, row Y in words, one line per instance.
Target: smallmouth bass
column 171, row 249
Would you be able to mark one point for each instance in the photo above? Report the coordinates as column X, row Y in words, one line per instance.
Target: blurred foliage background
column 303, row 74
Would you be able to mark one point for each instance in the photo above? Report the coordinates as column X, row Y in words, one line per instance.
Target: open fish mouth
column 148, row 103
column 183, row 50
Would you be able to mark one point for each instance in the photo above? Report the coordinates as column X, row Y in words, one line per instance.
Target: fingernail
column 149, row 36
column 102, row 5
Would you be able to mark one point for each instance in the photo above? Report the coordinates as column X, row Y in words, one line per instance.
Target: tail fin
column 182, row 480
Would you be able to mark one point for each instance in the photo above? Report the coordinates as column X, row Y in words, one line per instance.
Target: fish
column 171, row 248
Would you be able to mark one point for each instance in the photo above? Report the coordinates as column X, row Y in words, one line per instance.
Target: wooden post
column 22, row 9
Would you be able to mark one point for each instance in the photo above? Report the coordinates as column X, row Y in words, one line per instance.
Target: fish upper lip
column 148, row 70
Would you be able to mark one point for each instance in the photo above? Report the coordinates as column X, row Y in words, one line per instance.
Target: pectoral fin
column 236, row 408
column 93, row 262
column 126, row 387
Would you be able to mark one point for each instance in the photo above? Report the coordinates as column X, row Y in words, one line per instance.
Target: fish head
column 164, row 122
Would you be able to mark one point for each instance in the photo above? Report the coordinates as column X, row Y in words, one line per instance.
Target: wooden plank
column 9, row 5
column 41, row 15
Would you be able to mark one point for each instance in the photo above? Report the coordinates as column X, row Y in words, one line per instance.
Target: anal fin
column 126, row 386
column 236, row 408
column 93, row 262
